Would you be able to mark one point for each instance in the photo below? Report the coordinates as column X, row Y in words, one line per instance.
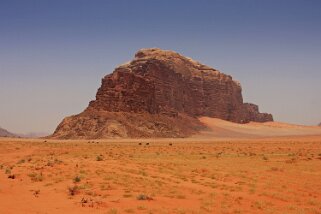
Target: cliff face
column 169, row 85
column 164, row 82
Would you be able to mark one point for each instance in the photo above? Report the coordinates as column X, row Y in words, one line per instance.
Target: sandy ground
column 224, row 129
column 214, row 173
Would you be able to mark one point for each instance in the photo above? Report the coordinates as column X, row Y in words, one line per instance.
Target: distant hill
column 319, row 124
column 5, row 133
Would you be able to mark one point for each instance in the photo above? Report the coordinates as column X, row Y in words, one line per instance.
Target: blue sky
column 53, row 54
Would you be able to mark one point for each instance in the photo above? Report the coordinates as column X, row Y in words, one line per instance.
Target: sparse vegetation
column 99, row 158
column 8, row 171
column 36, row 177
column 21, row 161
column 240, row 180
column 12, row 176
column 143, row 197
column 73, row 190
column 113, row 211
column 77, row 179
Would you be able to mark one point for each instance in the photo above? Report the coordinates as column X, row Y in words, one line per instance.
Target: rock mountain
column 5, row 133
column 160, row 93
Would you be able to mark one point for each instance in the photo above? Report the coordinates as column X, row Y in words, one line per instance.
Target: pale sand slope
column 226, row 129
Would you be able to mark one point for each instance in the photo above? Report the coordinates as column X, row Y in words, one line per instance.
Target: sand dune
column 226, row 129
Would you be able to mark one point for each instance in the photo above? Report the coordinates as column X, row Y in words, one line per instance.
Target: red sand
column 231, row 168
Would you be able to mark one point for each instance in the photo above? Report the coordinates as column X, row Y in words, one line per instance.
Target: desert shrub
column 21, row 161
column 73, row 190
column 127, row 195
column 36, row 193
column 8, row 171
column 99, row 158
column 50, row 163
column 113, row 211
column 12, row 176
column 36, row 177
column 140, row 207
column 129, row 210
column 143, row 173
column 143, row 197
column 77, row 179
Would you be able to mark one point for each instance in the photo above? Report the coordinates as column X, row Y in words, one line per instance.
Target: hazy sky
column 53, row 54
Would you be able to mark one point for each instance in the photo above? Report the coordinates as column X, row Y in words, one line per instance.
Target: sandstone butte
column 160, row 93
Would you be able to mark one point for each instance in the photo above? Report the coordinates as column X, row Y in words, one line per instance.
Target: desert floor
column 266, row 175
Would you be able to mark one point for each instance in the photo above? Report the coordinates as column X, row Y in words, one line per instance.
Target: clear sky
column 53, row 54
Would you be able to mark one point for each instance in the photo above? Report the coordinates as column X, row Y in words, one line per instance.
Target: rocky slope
column 5, row 133
column 160, row 94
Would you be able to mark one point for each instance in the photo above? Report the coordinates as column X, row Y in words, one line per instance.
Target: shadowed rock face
column 164, row 82
column 169, row 85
